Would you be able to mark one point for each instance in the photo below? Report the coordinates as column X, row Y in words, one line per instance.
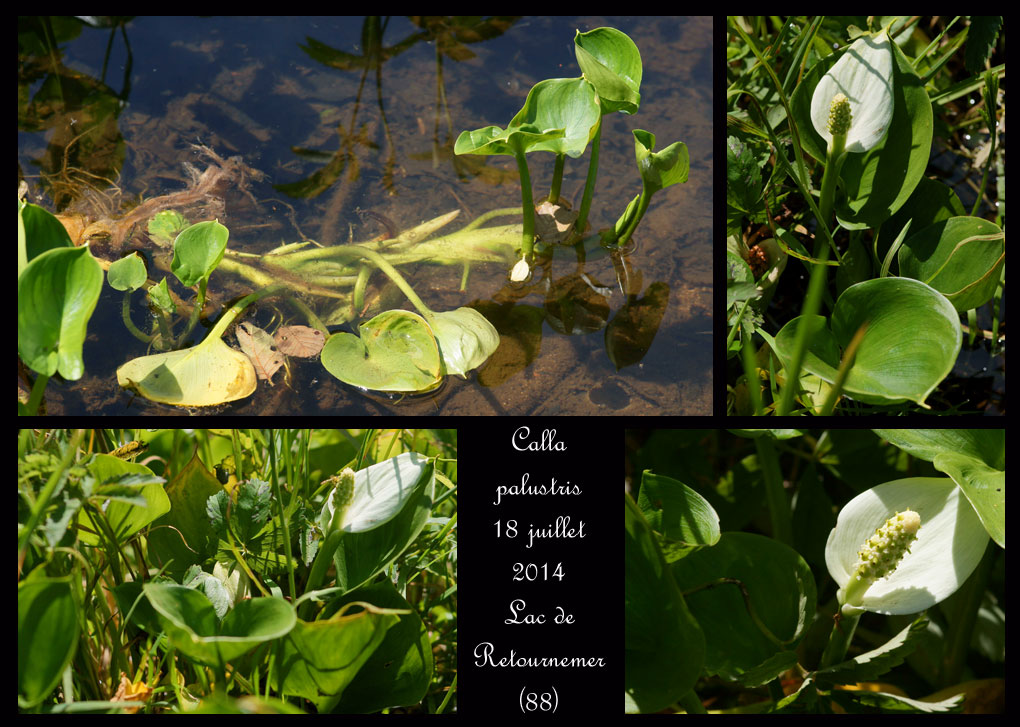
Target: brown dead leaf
column 129, row 692
column 258, row 346
column 299, row 341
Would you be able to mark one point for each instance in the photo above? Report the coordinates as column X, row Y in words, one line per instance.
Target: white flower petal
column 949, row 544
column 380, row 492
column 865, row 76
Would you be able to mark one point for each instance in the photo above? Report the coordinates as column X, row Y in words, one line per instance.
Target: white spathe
column 380, row 492
column 949, row 545
column 865, row 76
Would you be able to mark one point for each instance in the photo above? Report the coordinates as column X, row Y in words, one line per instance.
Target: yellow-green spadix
column 864, row 75
column 881, row 553
column 867, row 552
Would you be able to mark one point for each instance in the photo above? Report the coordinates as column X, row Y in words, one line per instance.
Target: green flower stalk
column 362, row 501
column 340, row 499
column 838, row 127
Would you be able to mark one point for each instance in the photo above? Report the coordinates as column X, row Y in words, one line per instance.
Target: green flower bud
column 341, row 497
column 882, row 552
column 839, row 115
column 343, row 493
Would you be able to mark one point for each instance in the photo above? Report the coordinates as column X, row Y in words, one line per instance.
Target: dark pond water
column 344, row 128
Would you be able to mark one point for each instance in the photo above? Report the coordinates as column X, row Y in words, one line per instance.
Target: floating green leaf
column 396, row 352
column 165, row 226
column 465, row 337
column 204, row 375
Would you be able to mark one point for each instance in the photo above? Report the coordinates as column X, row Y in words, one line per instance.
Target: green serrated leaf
column 873, row 664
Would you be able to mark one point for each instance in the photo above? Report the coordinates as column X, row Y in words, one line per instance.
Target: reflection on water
column 347, row 127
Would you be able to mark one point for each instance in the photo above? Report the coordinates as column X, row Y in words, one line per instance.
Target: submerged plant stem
column 125, row 314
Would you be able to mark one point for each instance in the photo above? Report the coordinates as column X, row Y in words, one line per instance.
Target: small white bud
column 521, row 271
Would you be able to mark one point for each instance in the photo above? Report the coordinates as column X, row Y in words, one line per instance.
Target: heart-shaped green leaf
column 611, row 62
column 960, row 257
column 322, row 657
column 396, row 352
column 128, row 273
column 190, row 620
column 560, row 103
column 182, row 537
column 124, row 518
column 405, row 649
column 198, row 250
column 891, row 365
column 465, row 337
column 165, row 226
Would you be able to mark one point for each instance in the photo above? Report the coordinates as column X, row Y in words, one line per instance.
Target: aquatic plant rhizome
column 208, row 321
